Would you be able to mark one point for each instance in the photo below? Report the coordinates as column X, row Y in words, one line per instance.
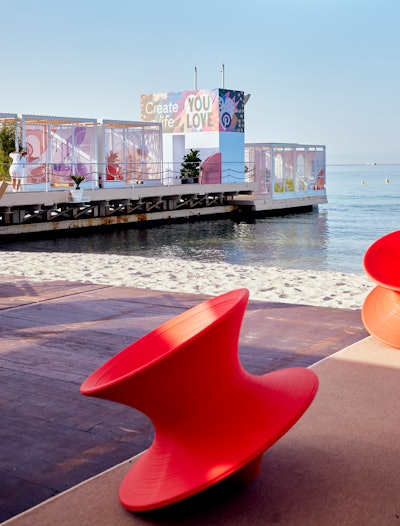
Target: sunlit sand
column 327, row 289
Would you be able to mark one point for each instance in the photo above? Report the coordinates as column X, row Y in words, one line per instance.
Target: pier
column 139, row 172
column 25, row 213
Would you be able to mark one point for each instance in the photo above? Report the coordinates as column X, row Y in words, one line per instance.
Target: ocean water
column 363, row 204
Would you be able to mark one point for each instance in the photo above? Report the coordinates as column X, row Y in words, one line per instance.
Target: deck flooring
column 54, row 334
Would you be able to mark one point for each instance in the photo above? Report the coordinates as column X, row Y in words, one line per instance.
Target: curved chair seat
column 381, row 261
column 212, row 419
column 381, row 315
column 381, row 309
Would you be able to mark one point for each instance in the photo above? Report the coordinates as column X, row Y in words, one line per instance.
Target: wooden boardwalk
column 54, row 334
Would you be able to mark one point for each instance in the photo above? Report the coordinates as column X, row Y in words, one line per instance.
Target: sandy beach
column 324, row 289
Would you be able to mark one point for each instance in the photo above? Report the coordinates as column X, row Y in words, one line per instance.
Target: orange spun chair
column 212, row 419
column 381, row 309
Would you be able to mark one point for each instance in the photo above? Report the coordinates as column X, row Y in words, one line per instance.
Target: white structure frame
column 284, row 170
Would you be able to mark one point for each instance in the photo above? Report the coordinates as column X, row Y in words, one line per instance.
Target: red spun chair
column 381, row 309
column 212, row 419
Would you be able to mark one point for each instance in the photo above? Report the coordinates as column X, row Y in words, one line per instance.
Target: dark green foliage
column 7, row 145
column 78, row 179
column 190, row 167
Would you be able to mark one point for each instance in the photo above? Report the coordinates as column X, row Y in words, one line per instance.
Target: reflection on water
column 292, row 241
column 363, row 206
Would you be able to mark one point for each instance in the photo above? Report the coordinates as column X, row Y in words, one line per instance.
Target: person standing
column 17, row 169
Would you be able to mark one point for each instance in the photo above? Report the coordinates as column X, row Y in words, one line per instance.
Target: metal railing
column 53, row 176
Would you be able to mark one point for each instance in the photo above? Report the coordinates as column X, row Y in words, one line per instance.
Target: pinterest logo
column 226, row 120
column 226, row 112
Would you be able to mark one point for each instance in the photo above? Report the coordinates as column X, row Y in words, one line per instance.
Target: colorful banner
column 132, row 153
column 57, row 151
column 231, row 111
column 195, row 111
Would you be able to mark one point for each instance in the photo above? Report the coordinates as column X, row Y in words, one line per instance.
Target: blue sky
column 318, row 71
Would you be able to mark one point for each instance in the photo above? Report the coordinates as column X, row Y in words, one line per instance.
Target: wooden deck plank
column 339, row 465
column 56, row 333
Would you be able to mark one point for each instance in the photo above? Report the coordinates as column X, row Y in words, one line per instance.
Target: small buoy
column 362, row 181
column 386, row 180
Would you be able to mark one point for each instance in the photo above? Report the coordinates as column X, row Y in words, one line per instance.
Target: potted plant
column 78, row 179
column 78, row 191
column 190, row 167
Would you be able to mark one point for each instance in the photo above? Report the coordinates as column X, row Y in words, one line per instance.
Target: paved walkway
column 55, row 334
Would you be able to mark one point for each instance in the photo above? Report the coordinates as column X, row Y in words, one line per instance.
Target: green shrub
column 190, row 167
column 7, row 145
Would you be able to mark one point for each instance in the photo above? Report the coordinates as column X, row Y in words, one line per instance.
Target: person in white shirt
column 17, row 169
